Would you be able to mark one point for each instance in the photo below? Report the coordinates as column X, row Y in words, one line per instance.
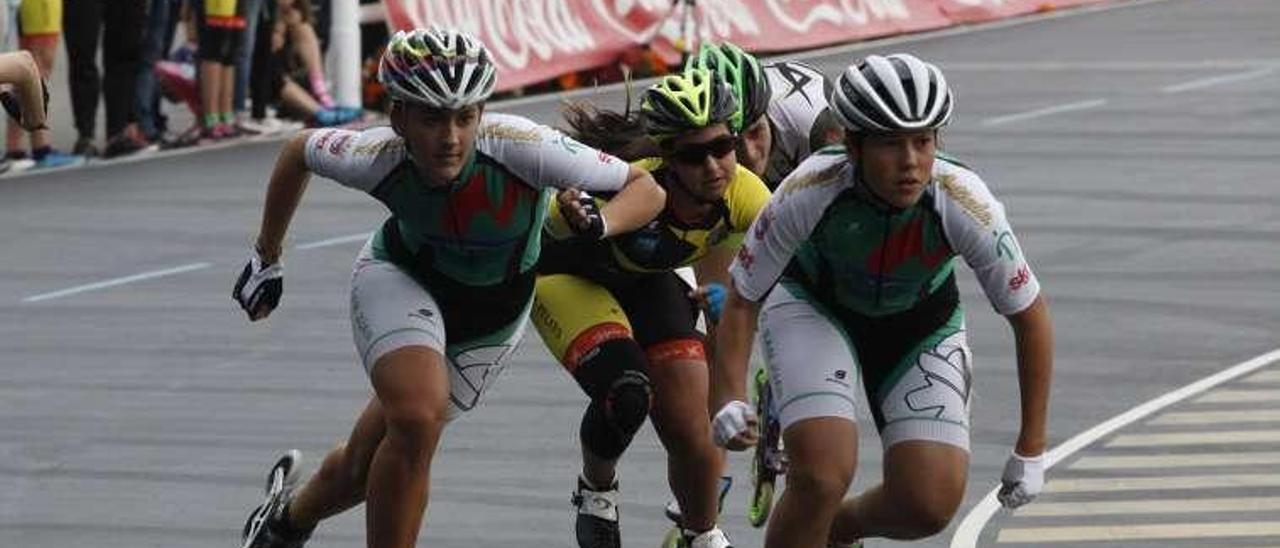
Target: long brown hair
column 618, row 133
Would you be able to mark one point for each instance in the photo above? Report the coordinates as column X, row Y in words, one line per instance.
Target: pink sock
column 321, row 92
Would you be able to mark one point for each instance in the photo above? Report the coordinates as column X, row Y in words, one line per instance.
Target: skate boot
column 769, row 459
column 267, row 526
column 712, row 538
column 597, row 523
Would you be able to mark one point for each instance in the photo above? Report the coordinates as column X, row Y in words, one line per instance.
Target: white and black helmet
column 436, row 67
column 890, row 94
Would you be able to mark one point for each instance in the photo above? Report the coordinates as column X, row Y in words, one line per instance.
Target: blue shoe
column 58, row 159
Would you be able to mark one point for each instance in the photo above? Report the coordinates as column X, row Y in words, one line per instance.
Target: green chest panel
column 874, row 261
column 478, row 231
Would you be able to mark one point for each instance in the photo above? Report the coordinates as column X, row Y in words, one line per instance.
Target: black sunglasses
column 695, row 153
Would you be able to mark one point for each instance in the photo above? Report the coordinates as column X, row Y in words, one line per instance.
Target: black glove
column 259, row 287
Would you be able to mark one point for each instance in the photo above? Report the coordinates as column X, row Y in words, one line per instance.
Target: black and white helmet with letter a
column 892, row 94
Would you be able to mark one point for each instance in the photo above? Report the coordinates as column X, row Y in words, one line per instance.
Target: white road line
column 117, row 281
column 1218, row 80
column 1192, row 460
column 335, row 241
column 1160, row 483
column 1047, row 111
column 1039, row 535
column 151, row 275
column 970, row 528
column 1153, row 506
column 1265, row 377
column 1197, row 438
column 1218, row 417
column 1241, row 396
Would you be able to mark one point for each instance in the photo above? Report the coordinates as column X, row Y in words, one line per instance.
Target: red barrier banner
column 536, row 40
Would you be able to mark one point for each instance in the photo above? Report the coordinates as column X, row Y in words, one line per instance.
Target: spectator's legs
column 307, row 46
column 261, row 83
column 158, row 36
column 45, row 51
column 244, row 61
column 124, row 21
column 82, row 22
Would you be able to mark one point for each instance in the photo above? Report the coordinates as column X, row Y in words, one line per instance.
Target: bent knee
column 929, row 516
column 826, row 486
column 415, row 429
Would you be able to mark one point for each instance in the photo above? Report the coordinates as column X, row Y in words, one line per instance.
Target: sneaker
column 56, row 158
column 84, row 147
column 712, row 538
column 268, row 526
column 124, row 144
column 597, row 523
column 188, row 138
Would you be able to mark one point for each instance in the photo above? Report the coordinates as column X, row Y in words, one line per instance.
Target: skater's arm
column 284, row 191
column 734, row 425
column 1033, row 336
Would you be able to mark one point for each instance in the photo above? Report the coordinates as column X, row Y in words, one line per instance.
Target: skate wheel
column 673, row 538
column 758, row 513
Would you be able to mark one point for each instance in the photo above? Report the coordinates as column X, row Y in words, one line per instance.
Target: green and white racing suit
column 846, row 280
column 453, row 268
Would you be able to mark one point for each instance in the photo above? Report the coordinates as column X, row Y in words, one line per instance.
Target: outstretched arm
column 639, row 201
column 284, row 191
column 735, row 423
column 1033, row 333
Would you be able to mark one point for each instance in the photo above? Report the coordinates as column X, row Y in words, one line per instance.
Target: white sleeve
column 783, row 225
column 356, row 159
column 544, row 157
column 977, row 228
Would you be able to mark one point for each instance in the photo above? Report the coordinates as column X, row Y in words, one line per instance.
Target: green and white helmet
column 742, row 71
column 693, row 99
column 438, row 68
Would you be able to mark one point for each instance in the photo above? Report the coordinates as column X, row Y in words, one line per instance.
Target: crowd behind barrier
column 255, row 67
column 238, row 67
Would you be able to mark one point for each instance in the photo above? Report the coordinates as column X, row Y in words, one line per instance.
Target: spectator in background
column 221, row 29
column 27, row 99
column 121, row 25
column 256, row 12
column 38, row 26
column 162, row 21
column 295, row 24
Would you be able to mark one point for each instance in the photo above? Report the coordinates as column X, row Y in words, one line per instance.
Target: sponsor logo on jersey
column 510, row 133
column 763, row 223
column 1020, row 278
column 838, row 377
column 797, row 77
column 947, row 381
column 569, row 144
column 323, row 138
column 976, row 208
column 745, row 258
column 604, row 157
column 1006, row 245
column 339, row 145
column 824, row 177
column 424, row 315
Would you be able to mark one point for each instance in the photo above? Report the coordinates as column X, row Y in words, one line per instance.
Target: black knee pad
column 628, row 400
column 621, row 396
